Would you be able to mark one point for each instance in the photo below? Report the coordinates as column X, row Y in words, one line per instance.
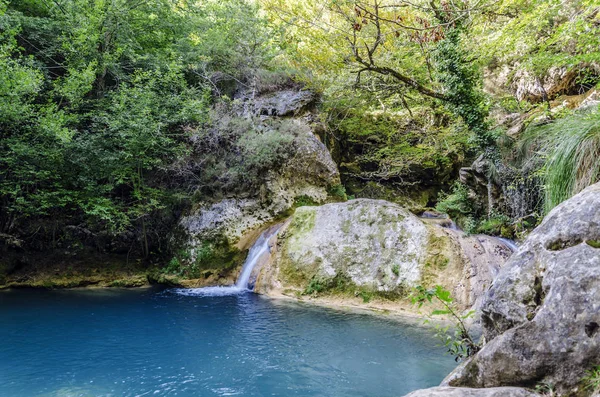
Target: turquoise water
column 161, row 343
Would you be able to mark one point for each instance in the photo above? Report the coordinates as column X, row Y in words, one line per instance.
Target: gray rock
column 467, row 392
column 381, row 246
column 541, row 316
column 309, row 173
column 280, row 103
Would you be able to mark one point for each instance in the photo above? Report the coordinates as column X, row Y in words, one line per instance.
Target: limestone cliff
column 307, row 173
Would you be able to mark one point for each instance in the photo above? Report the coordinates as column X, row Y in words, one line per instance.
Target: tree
column 404, row 46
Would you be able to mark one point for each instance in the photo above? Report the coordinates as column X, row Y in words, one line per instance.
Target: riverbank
column 60, row 270
column 102, row 279
column 396, row 308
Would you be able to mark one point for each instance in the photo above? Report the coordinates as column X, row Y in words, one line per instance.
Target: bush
column 497, row 225
column 461, row 344
column 459, row 207
column 236, row 153
column 569, row 149
column 338, row 191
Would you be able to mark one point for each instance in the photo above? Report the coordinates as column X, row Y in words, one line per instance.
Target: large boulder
column 541, row 317
column 379, row 246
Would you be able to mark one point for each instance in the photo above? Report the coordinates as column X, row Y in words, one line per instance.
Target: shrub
column 497, row 225
column 459, row 206
column 366, row 295
column 314, row 286
column 338, row 191
column 460, row 344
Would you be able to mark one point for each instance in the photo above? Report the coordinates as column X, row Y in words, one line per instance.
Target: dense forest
column 116, row 115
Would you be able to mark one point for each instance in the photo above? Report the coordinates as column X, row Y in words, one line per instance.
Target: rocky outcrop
column 467, row 392
column 307, row 174
column 381, row 247
column 541, row 316
column 281, row 103
column 528, row 86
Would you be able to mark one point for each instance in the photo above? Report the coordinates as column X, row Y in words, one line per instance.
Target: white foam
column 210, row 291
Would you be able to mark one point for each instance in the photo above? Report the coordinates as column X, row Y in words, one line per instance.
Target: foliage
column 304, row 201
column 458, row 205
column 392, row 148
column 569, row 148
column 461, row 81
column 545, row 389
column 496, row 225
column 591, row 379
column 98, row 100
column 338, row 191
column 572, row 162
column 460, row 344
column 539, row 35
column 236, row 153
column 390, row 50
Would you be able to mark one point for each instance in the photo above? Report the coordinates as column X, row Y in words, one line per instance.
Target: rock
column 360, row 239
column 466, row 392
column 380, row 246
column 592, row 98
column 541, row 316
column 282, row 103
column 308, row 174
column 557, row 81
column 502, row 80
column 496, row 81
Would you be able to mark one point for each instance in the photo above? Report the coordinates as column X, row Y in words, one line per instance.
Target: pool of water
column 163, row 343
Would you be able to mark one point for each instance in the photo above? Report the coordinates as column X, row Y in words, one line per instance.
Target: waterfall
column 509, row 244
column 259, row 253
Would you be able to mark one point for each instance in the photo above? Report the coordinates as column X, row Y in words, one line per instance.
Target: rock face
column 466, row 392
column 541, row 317
column 361, row 239
column 308, row 174
column 380, row 246
column 527, row 86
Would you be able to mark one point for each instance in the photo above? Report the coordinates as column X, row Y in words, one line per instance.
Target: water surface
column 161, row 343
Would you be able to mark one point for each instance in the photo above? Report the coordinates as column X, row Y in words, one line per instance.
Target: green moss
column 338, row 192
column 215, row 254
column 347, row 226
column 130, row 282
column 437, row 258
column 498, row 225
column 593, row 243
column 304, row 201
column 302, row 222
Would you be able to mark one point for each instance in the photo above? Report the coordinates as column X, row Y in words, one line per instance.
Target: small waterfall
column 259, row 253
column 509, row 244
